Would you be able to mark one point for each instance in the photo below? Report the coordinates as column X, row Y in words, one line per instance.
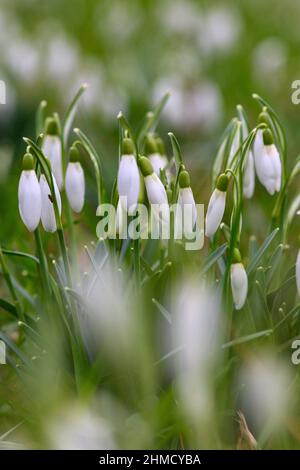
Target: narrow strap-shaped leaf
column 71, row 111
column 153, row 118
column 213, row 257
column 40, row 118
column 13, row 347
column 8, row 307
column 95, row 159
column 21, row 255
column 176, row 149
column 163, row 311
column 245, row 339
column 261, row 251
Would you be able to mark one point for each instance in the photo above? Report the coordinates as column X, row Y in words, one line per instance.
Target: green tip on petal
column 150, row 145
column 263, row 118
column 74, row 154
column 184, row 179
column 160, row 145
column 222, row 183
column 145, row 166
column 28, row 162
column 51, row 126
column 127, row 146
column 236, row 256
column 267, row 136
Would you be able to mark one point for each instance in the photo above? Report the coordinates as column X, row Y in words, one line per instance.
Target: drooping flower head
column 186, row 202
column 216, row 206
column 48, row 212
column 156, row 193
column 52, row 149
column 75, row 184
column 128, row 177
column 267, row 159
column 239, row 280
column 29, row 194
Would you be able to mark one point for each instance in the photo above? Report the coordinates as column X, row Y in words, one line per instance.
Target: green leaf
column 13, row 347
column 163, row 311
column 71, row 111
column 261, row 251
column 152, row 119
column 21, row 255
column 176, row 149
column 245, row 339
column 8, row 307
column 95, row 159
column 40, row 118
column 213, row 257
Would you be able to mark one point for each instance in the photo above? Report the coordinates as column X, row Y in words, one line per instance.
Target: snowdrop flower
column 48, row 213
column 186, row 202
column 216, row 206
column 156, row 192
column 158, row 160
column 128, row 177
column 239, row 280
column 298, row 272
column 75, row 185
column 29, row 194
column 268, row 164
column 52, row 150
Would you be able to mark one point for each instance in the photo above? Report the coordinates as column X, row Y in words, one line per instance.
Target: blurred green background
column 211, row 54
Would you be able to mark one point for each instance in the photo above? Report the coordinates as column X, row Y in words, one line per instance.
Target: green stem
column 43, row 262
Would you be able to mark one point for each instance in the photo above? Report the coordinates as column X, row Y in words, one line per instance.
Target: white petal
column 258, row 146
column 48, row 214
column 30, row 203
column 215, row 212
column 158, row 162
column 52, row 150
column 239, row 284
column 158, row 199
column 75, row 186
column 268, row 168
column 129, row 182
column 249, row 177
column 186, row 198
column 298, row 272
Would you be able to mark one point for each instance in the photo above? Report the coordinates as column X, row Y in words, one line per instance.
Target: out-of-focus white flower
column 23, row 59
column 190, row 108
column 156, row 193
column 216, row 206
column 298, row 272
column 75, row 185
column 48, row 214
column 52, row 149
column 196, row 341
column 128, row 177
column 158, row 162
column 80, row 429
column 239, row 281
column 29, row 194
column 268, row 164
column 266, row 396
column 269, row 60
column 220, row 30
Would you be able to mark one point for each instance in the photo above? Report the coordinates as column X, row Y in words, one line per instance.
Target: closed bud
column 29, row 194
